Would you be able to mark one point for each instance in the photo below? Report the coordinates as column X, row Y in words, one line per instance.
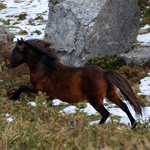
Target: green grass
column 43, row 127
column 21, row 16
column 5, row 22
column 23, row 32
column 12, row 27
column 2, row 6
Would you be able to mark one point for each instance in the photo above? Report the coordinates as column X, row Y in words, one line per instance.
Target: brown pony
column 71, row 84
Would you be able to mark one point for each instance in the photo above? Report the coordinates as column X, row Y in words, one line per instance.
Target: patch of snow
column 32, row 104
column 57, row 102
column 9, row 118
column 145, row 86
column 144, row 38
column 94, row 122
column 32, row 9
column 44, row 103
column 69, row 110
column 146, row 26
column 89, row 110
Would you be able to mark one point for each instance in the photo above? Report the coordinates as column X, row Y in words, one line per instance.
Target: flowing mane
column 48, row 53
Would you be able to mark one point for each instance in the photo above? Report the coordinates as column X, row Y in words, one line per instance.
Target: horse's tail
column 124, row 86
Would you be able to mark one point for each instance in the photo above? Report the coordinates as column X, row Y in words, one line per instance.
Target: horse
column 71, row 84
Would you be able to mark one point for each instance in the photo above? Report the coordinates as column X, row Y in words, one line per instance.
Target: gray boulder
column 5, row 36
column 138, row 55
column 84, row 29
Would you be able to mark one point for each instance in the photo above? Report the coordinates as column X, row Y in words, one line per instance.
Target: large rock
column 5, row 36
column 84, row 29
column 139, row 55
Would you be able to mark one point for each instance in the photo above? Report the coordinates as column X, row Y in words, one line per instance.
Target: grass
column 12, row 27
column 5, row 22
column 21, row 16
column 2, row 6
column 44, row 127
column 144, row 6
column 23, row 32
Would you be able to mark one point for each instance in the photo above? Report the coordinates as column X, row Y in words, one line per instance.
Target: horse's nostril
column 8, row 63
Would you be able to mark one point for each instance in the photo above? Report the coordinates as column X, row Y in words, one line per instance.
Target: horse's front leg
column 23, row 88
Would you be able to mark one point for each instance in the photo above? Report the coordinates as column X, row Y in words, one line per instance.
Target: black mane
column 44, row 49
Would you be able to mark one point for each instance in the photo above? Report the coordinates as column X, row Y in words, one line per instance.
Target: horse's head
column 32, row 51
column 17, row 56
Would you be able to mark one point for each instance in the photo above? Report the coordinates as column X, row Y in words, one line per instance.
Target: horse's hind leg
column 104, row 112
column 98, row 105
column 113, row 96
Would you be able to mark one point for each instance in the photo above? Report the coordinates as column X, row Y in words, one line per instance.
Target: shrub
column 107, row 63
column 133, row 73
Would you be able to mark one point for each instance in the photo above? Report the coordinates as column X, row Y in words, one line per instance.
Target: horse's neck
column 33, row 62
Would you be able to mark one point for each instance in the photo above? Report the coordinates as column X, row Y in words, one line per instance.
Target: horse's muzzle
column 8, row 63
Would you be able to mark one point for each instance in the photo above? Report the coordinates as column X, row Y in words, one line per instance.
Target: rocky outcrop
column 5, row 36
column 84, row 29
column 138, row 55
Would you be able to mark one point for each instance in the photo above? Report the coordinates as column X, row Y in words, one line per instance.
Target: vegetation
column 144, row 6
column 2, row 6
column 132, row 72
column 107, row 63
column 23, row 32
column 44, row 127
column 22, row 16
column 5, row 22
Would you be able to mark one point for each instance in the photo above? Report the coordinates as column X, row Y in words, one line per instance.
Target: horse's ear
column 21, row 44
column 18, row 42
column 22, row 40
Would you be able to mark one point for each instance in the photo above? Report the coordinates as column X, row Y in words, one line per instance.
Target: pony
column 71, row 84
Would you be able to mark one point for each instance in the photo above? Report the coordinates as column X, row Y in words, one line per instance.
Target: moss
column 6, row 22
column 10, row 16
column 23, row 32
column 2, row 6
column 22, row 16
column 12, row 27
